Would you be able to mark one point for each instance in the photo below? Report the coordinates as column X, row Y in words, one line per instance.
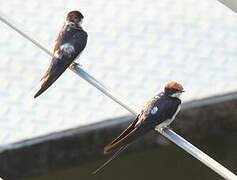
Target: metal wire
column 168, row 133
column 232, row 4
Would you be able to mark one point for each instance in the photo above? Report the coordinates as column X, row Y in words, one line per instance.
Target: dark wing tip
column 107, row 149
column 111, row 148
column 43, row 86
column 37, row 94
column 95, row 172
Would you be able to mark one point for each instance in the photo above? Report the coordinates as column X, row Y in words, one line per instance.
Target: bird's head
column 174, row 89
column 75, row 17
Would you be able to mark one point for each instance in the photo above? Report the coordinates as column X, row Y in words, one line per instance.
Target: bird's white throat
column 72, row 23
column 177, row 95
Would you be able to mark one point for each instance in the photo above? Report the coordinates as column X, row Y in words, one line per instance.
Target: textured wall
column 134, row 47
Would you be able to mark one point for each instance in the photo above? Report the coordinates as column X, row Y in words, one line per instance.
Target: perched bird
column 159, row 112
column 70, row 42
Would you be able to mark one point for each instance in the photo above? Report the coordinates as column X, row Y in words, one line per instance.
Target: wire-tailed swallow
column 70, row 42
column 159, row 112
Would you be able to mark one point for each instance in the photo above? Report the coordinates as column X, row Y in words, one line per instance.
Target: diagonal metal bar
column 232, row 4
column 197, row 153
column 90, row 79
column 168, row 133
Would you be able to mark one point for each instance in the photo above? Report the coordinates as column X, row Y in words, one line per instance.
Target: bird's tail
column 57, row 67
column 128, row 136
column 110, row 159
column 46, row 82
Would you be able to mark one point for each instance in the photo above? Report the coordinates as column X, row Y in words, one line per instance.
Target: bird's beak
column 182, row 91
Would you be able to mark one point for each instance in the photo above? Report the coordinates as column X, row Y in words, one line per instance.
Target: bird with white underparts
column 159, row 112
column 71, row 41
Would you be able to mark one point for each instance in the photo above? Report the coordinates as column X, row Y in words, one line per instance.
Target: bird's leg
column 77, row 64
column 158, row 128
column 161, row 127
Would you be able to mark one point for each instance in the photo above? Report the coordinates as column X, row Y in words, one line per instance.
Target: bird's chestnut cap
column 174, row 85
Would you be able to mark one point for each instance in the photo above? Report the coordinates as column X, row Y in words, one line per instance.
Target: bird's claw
column 77, row 64
column 161, row 128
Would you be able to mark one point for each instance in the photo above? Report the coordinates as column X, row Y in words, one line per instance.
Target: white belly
column 168, row 121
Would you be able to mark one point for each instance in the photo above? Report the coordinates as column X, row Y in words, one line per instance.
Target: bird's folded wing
column 56, row 68
column 132, row 133
column 111, row 146
column 133, row 130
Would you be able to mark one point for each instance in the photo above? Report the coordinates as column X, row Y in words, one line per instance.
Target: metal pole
column 168, row 133
column 232, row 4
column 198, row 154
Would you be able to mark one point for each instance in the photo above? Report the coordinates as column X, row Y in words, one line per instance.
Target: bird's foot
column 161, row 128
column 158, row 128
column 77, row 64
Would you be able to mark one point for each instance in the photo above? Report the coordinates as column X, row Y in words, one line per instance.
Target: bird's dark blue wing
column 131, row 133
column 70, row 43
column 79, row 41
column 157, row 110
column 74, row 36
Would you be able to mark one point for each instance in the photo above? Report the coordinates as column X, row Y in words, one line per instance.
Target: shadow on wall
column 166, row 163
